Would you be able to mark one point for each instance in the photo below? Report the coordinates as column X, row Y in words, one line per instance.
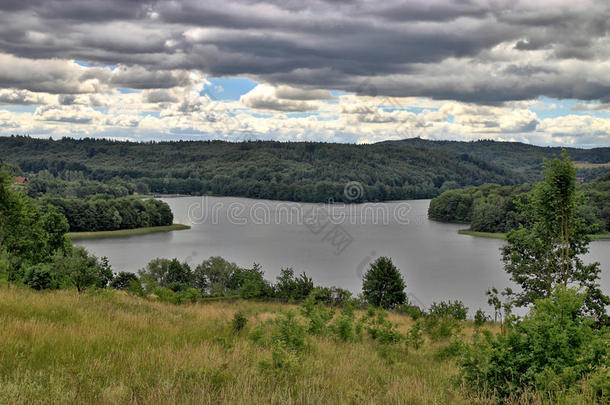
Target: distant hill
column 294, row 171
column 517, row 156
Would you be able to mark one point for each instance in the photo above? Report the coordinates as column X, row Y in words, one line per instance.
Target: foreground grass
column 498, row 235
column 60, row 347
column 126, row 232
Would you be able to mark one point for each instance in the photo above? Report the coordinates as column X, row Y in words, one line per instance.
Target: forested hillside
column 294, row 171
column 283, row 171
column 520, row 157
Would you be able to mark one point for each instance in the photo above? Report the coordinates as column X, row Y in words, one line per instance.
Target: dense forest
column 495, row 208
column 293, row 171
column 101, row 214
column 520, row 157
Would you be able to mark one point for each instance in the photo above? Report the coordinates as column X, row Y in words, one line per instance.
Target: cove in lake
column 437, row 262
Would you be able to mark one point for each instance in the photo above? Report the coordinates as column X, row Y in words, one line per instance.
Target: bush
column 441, row 328
column 455, row 348
column 449, row 309
column 135, row 287
column 480, row 318
column 39, row 277
column 331, row 295
column 123, row 280
column 289, row 332
column 293, row 288
column 318, row 315
column 413, row 311
column 382, row 330
column 415, row 338
column 551, row 349
column 239, row 321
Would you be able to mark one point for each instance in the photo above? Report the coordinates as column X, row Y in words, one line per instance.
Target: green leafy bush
column 415, row 338
column 382, row 330
column 480, row 318
column 551, row 349
column 39, row 277
column 449, row 309
column 317, row 314
column 239, row 321
column 289, row 331
column 441, row 328
column 123, row 280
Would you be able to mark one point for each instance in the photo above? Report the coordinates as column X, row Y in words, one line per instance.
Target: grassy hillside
column 60, row 347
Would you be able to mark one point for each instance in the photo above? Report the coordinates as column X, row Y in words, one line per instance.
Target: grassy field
column 492, row 235
column 126, row 232
column 598, row 236
column 61, row 347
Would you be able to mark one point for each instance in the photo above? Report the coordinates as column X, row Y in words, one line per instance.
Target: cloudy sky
column 536, row 71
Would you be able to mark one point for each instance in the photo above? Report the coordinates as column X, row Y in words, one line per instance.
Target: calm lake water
column 332, row 244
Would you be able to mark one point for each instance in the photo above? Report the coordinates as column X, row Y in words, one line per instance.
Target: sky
column 535, row 71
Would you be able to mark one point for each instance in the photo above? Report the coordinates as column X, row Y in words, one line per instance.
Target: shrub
column 382, row 330
column 293, row 288
column 550, row 350
column 480, row 318
column 453, row 349
column 189, row 295
column 167, row 295
column 344, row 328
column 239, row 321
column 413, row 311
column 135, row 287
column 318, row 315
column 39, row 277
column 415, row 338
column 289, row 331
column 449, row 309
column 441, row 328
column 122, row 280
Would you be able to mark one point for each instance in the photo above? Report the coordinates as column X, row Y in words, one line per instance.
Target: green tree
column 81, row 270
column 165, row 273
column 383, row 285
column 56, row 226
column 26, row 236
column 216, row 276
column 548, row 253
column 290, row 287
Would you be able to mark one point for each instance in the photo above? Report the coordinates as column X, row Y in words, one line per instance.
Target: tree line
column 103, row 214
column 291, row 171
column 495, row 208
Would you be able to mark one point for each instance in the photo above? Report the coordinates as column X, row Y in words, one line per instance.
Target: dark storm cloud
column 486, row 51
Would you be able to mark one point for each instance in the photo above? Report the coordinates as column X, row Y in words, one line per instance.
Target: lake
column 331, row 243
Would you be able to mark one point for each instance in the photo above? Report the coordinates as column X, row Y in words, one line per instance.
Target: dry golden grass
column 61, row 347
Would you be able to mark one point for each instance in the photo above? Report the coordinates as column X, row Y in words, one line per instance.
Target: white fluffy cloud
column 357, row 71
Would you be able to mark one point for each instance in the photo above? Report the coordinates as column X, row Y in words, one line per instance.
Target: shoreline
column 126, row 232
column 498, row 235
